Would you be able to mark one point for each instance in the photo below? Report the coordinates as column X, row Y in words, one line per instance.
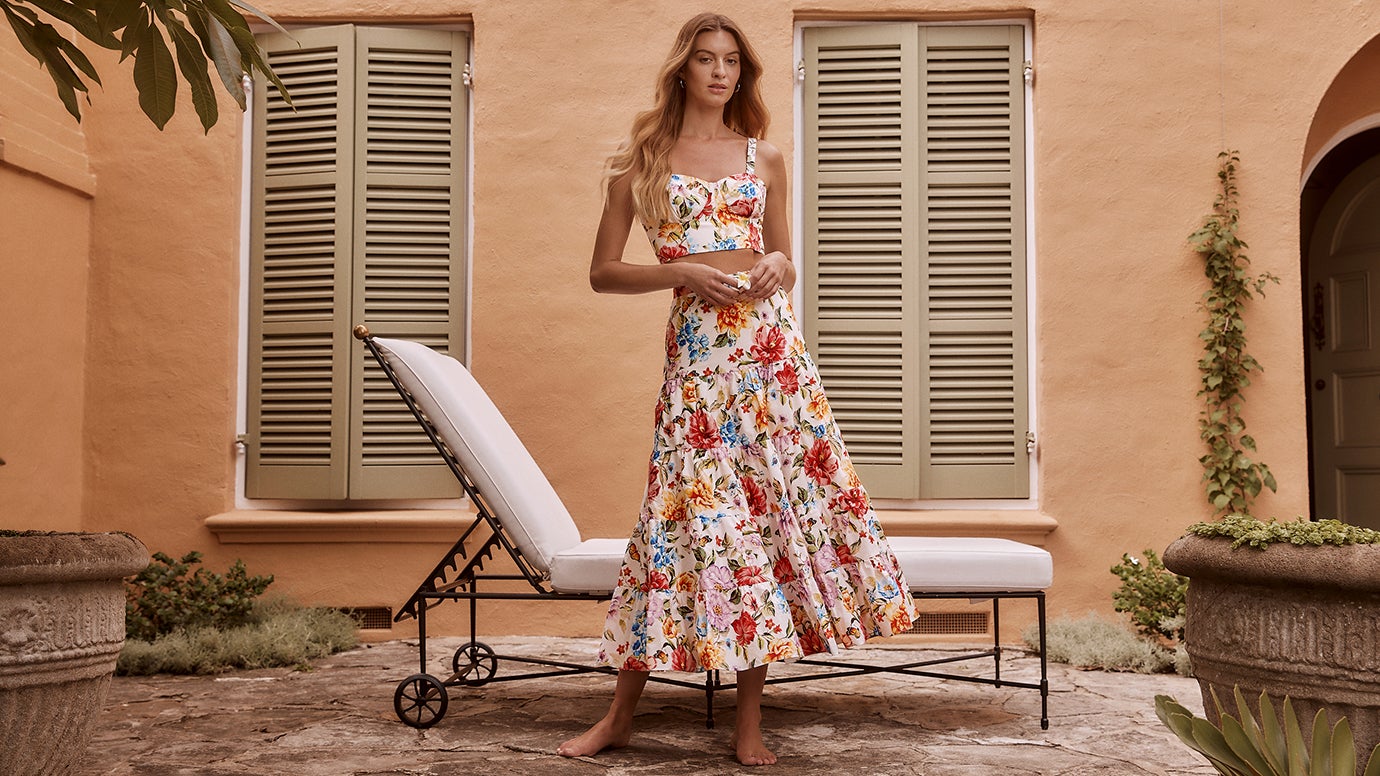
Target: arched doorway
column 1342, row 271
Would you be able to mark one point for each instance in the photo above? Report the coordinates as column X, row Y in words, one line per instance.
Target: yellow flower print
column 701, row 495
column 819, row 405
column 709, row 654
column 673, row 506
column 685, row 582
column 782, row 649
column 689, row 392
column 732, row 317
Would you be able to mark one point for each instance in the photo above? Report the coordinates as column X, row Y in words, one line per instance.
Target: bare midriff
column 736, row 260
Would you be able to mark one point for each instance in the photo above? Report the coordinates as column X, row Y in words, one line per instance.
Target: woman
column 755, row 541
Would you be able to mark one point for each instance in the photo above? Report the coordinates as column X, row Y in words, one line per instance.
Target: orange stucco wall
column 1130, row 106
column 45, row 214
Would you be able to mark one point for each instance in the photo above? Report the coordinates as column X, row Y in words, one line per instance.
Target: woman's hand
column 708, row 283
column 771, row 272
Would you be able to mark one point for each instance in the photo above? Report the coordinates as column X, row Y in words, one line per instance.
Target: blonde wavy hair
column 646, row 155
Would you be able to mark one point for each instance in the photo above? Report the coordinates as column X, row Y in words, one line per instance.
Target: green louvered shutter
column 915, row 253
column 974, row 371
column 409, row 242
column 301, row 206
column 357, row 218
column 861, row 259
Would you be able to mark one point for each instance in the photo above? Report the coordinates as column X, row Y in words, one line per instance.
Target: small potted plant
column 1288, row 608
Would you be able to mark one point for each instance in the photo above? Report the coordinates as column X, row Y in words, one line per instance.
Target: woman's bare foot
column 607, row 733
column 747, row 743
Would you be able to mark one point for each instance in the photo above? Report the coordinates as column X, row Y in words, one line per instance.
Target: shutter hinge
column 241, row 442
column 467, row 75
column 1030, row 443
column 800, row 70
column 1028, row 69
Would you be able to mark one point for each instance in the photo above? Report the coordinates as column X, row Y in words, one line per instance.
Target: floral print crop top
column 720, row 215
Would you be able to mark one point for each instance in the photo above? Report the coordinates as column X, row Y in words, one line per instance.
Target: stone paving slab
column 337, row 719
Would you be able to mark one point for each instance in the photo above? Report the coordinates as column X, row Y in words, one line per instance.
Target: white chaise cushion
column 591, row 566
column 934, row 564
column 930, row 564
column 489, row 451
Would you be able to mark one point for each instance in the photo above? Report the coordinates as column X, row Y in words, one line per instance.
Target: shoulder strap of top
column 752, row 155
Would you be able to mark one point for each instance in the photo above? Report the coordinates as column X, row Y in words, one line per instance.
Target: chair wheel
column 420, row 700
column 475, row 663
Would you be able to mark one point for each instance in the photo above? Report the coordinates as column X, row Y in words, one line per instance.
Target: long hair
column 646, row 154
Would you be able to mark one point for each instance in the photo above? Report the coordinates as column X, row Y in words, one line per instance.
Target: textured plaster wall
column 45, row 190
column 1131, row 104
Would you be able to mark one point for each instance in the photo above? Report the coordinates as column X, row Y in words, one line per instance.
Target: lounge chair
column 521, row 518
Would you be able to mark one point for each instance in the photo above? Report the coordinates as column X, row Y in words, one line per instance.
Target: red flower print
column 703, row 434
column 845, row 555
column 782, row 570
column 680, row 659
column 671, row 252
column 810, row 643
column 740, row 207
column 757, row 498
column 658, row 580
column 787, row 378
column 820, row 463
column 745, row 628
column 635, row 664
column 852, row 500
column 769, row 345
column 749, row 575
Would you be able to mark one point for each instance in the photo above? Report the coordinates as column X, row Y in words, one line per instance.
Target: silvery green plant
column 1243, row 746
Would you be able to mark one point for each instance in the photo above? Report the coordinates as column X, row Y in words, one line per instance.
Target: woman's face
column 711, row 74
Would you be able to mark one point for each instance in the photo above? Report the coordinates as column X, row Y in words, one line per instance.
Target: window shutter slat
column 409, row 262
column 976, row 414
column 861, row 278
column 298, row 365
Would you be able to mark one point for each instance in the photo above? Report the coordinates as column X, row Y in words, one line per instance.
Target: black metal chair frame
column 421, row 699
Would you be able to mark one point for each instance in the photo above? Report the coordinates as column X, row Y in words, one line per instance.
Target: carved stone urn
column 1301, row 621
column 62, row 624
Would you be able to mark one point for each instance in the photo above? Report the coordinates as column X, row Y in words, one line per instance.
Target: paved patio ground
column 337, row 719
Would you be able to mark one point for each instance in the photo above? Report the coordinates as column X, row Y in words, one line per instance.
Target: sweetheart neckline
column 718, row 180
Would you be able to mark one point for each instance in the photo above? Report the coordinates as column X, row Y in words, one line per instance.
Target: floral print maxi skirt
column 756, row 542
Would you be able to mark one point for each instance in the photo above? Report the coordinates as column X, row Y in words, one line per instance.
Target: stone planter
column 62, row 623
column 1301, row 621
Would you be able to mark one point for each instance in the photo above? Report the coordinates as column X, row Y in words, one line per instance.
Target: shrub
column 163, row 598
column 1094, row 642
column 276, row 634
column 1152, row 595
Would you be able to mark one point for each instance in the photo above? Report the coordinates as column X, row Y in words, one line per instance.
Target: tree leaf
column 114, row 15
column 155, row 76
column 217, row 43
column 193, row 64
column 81, row 19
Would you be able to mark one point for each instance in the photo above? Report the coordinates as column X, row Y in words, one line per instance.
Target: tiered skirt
column 755, row 543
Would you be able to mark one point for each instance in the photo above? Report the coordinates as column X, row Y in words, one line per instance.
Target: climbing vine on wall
column 1231, row 476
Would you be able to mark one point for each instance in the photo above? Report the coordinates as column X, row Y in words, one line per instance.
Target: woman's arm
column 609, row 274
column 775, row 268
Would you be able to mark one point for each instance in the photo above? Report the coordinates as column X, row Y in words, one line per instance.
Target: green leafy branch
column 1231, row 476
column 202, row 32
